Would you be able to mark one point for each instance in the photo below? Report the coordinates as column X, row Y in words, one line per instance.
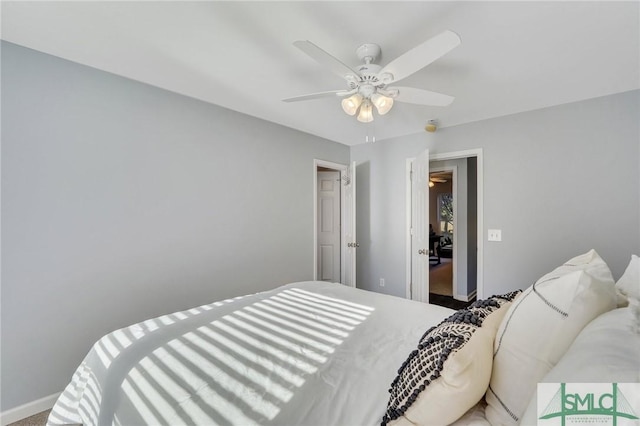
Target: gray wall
column 121, row 202
column 557, row 181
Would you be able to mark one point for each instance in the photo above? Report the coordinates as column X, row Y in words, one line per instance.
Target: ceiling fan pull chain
column 369, row 126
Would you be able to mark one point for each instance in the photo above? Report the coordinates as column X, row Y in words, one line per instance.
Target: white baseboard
column 465, row 297
column 28, row 409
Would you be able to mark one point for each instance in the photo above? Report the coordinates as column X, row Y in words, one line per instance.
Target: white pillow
column 628, row 289
column 605, row 351
column 539, row 327
column 629, row 283
column 452, row 363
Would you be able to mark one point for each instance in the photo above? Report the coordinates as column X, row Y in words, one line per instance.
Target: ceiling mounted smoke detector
column 431, row 126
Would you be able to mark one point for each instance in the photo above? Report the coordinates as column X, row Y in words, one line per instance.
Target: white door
column 349, row 226
column 328, row 226
column 420, row 227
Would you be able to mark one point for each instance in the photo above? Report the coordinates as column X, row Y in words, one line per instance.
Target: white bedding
column 308, row 353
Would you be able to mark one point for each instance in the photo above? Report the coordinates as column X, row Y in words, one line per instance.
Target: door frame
column 344, row 170
column 480, row 219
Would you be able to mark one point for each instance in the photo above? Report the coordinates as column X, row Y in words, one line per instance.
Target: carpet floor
column 441, row 278
column 39, row 419
column 441, row 285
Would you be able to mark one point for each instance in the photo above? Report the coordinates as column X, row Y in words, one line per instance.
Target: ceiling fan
column 438, row 177
column 368, row 84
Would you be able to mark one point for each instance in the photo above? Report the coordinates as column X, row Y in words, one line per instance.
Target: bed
column 316, row 353
column 309, row 353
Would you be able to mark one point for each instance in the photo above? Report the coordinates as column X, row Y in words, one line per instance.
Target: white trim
column 343, row 169
column 408, row 227
column 28, row 409
column 480, row 214
column 466, row 298
column 456, row 154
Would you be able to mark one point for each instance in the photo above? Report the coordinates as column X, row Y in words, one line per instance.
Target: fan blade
column 325, row 59
column 331, row 93
column 440, row 175
column 421, row 55
column 412, row 95
column 437, row 180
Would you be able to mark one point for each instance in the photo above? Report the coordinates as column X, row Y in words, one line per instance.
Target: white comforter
column 308, row 353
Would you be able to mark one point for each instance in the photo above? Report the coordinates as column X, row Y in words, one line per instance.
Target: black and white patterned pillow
column 439, row 344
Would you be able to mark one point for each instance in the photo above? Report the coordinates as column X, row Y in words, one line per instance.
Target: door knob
column 422, row 251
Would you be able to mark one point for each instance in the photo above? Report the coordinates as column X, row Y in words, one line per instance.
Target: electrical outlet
column 495, row 235
column 381, row 282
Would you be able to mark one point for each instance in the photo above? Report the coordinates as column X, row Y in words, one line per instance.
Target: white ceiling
column 514, row 56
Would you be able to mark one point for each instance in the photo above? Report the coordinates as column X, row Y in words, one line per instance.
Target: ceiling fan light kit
column 351, row 104
column 366, row 112
column 383, row 103
column 431, row 126
column 367, row 84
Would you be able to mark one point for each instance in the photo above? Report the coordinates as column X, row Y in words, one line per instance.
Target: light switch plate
column 495, row 235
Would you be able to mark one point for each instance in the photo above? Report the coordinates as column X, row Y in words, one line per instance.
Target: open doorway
column 442, row 218
column 334, row 239
column 458, row 238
